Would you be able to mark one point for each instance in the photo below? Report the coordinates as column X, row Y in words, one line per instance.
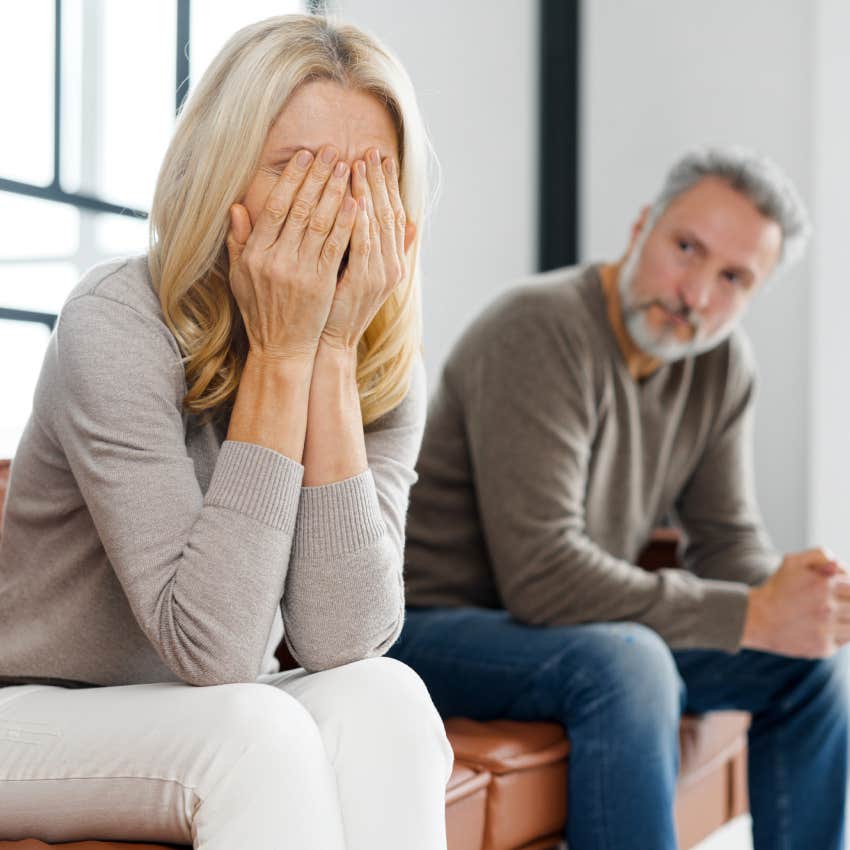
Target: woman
column 221, row 446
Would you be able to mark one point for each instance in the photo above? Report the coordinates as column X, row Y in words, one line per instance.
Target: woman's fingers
column 339, row 237
column 385, row 216
column 360, row 189
column 361, row 243
column 324, row 215
column 305, row 202
column 392, row 177
column 270, row 221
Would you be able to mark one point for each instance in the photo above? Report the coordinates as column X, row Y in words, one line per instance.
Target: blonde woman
column 221, row 446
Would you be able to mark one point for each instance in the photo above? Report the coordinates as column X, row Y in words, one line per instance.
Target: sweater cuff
column 721, row 615
column 258, row 482
column 339, row 518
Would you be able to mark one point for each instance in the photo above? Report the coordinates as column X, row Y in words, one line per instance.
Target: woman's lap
column 135, row 762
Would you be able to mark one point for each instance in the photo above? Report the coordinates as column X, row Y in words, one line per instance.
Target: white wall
column 474, row 66
column 657, row 77
column 829, row 482
column 661, row 76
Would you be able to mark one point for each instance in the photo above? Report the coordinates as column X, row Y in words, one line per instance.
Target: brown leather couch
column 508, row 790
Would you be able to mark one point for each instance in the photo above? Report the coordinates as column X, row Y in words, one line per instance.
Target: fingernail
column 341, row 168
column 360, row 166
column 374, row 157
column 304, row 158
column 329, row 154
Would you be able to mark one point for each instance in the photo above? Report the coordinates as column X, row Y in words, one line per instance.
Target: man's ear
column 409, row 235
column 638, row 226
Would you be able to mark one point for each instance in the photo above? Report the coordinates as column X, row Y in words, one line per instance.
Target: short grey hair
column 754, row 176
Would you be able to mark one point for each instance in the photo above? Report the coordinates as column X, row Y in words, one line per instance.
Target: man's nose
column 695, row 291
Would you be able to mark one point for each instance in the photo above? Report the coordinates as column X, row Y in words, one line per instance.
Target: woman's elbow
column 316, row 655
column 214, row 668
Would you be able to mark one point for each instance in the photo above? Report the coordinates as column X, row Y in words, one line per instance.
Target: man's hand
column 803, row 609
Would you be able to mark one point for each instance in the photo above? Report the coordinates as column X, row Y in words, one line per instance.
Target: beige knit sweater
column 545, row 468
column 140, row 546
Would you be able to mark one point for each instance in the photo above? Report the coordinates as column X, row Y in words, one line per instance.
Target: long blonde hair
column 209, row 164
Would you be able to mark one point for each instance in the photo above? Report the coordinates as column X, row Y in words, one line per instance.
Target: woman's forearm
column 271, row 404
column 334, row 448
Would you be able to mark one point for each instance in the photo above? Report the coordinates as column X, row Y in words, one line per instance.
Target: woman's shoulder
column 113, row 296
column 124, row 280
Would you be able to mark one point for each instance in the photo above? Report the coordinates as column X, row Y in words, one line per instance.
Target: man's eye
column 685, row 246
column 732, row 277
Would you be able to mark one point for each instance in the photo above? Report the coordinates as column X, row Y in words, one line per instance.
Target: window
column 94, row 86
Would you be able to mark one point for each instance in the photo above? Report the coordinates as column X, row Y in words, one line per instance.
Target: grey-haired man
column 575, row 415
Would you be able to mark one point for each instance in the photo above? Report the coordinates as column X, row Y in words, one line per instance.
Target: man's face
column 687, row 278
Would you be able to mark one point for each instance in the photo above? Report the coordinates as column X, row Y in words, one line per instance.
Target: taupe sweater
column 139, row 546
column 545, row 467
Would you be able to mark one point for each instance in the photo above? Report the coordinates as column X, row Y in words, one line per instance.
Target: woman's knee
column 381, row 700
column 264, row 721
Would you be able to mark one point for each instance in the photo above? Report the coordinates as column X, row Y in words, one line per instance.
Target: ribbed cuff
column 721, row 615
column 339, row 518
column 258, row 482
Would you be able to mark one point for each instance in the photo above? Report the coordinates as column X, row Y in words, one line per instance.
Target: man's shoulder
column 559, row 304
column 564, row 295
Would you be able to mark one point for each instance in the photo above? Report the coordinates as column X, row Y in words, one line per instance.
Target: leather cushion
column 709, row 740
column 528, row 793
column 32, row 844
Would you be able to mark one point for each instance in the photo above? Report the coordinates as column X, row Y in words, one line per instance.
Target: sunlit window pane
column 71, row 88
column 38, row 286
column 214, row 21
column 119, row 124
column 21, row 343
column 31, row 227
column 119, row 235
column 26, row 92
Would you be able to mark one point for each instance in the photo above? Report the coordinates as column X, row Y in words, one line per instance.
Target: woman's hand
column 376, row 261
column 283, row 272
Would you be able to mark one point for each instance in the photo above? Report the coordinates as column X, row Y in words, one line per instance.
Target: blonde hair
column 209, row 164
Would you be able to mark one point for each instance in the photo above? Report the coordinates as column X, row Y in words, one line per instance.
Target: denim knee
column 623, row 669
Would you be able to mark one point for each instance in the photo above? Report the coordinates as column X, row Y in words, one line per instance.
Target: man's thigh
column 752, row 681
column 481, row 663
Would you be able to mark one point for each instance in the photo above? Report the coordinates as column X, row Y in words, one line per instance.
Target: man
column 573, row 417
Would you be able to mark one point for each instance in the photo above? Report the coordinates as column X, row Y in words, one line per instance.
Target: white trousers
column 353, row 758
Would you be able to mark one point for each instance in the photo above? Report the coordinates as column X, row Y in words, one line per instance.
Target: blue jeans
column 619, row 692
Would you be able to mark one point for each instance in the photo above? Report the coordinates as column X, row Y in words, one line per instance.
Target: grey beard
column 668, row 350
column 654, row 344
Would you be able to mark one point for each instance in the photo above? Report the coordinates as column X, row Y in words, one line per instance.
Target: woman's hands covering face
column 284, row 273
column 376, row 260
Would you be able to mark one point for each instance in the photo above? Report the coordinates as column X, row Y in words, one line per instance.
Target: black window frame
column 558, row 176
column 54, row 191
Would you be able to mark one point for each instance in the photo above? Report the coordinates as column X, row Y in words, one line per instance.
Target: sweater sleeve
column 530, row 419
column 203, row 574
column 344, row 595
column 717, row 508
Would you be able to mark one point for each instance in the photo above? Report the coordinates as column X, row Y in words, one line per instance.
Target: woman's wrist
column 342, row 357
column 271, row 403
column 287, row 361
